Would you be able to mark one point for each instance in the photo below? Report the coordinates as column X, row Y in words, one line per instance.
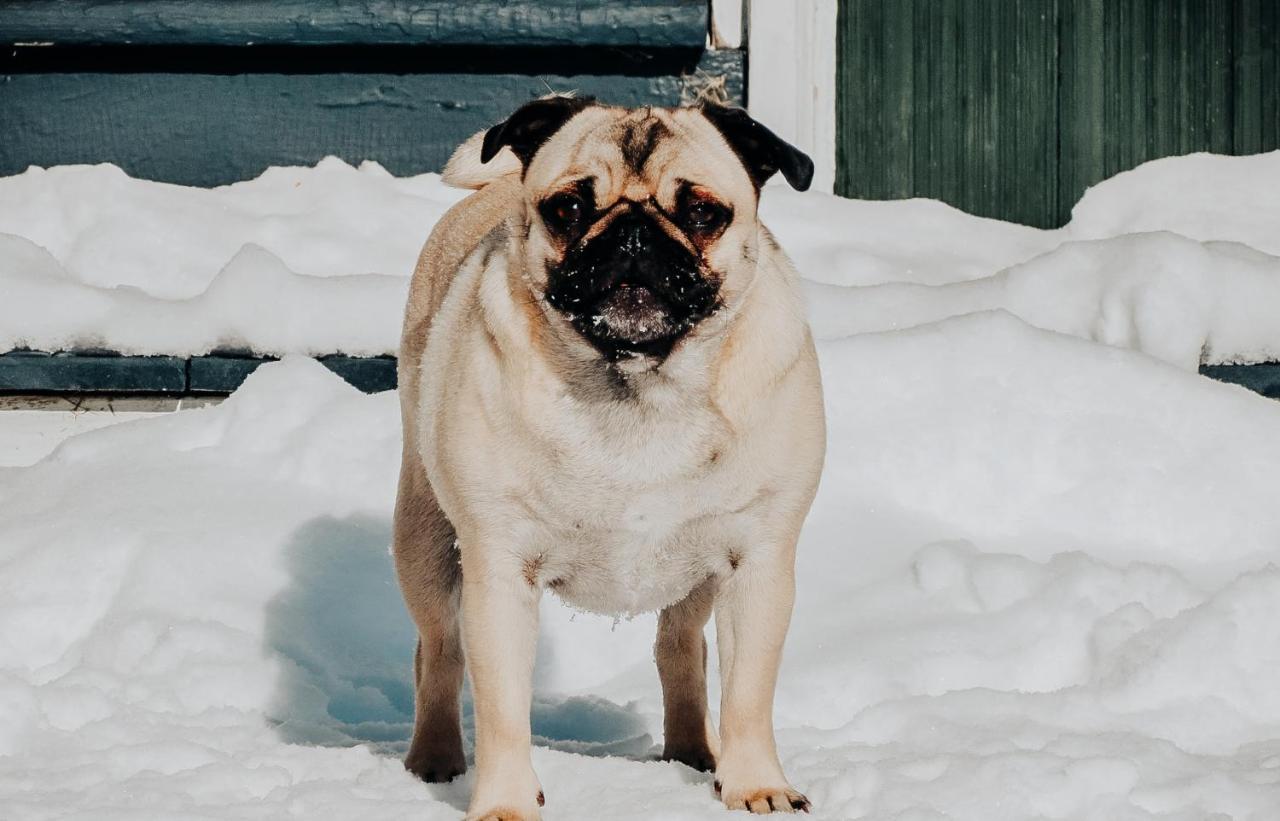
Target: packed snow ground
column 1040, row 579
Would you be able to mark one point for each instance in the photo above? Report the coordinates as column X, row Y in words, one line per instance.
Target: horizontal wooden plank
column 1263, row 379
column 371, row 374
column 654, row 23
column 34, row 372
column 220, row 374
column 74, row 372
column 223, row 374
column 31, row 372
column 209, row 129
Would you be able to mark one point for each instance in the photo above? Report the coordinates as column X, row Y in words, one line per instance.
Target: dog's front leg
column 753, row 610
column 500, row 633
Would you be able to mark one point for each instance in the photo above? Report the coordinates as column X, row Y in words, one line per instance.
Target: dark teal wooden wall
column 648, row 23
column 1012, row 108
column 207, row 92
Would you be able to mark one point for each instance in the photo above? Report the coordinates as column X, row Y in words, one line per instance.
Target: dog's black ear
column 761, row 151
column 530, row 126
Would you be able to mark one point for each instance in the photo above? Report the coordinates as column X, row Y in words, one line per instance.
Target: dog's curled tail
column 465, row 170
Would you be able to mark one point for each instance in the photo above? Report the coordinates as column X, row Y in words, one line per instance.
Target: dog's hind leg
column 431, row 579
column 681, row 653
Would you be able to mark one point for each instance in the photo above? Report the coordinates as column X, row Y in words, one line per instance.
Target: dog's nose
column 633, row 233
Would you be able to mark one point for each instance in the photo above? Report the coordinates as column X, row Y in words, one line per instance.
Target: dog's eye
column 703, row 216
column 563, row 212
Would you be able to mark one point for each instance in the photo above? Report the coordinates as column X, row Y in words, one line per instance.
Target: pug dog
column 609, row 390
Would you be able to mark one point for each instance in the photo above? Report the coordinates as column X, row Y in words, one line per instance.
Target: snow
column 29, row 435
column 1177, row 258
column 1202, row 196
column 299, row 260
column 254, row 302
column 1039, row 580
column 1176, row 299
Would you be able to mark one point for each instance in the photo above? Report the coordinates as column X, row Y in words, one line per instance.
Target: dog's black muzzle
column 632, row 289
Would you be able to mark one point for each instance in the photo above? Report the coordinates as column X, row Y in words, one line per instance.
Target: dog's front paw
column 762, row 800
column 756, row 783
column 508, row 812
column 503, row 814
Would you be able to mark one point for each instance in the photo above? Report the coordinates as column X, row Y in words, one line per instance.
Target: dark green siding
column 648, row 23
column 1012, row 108
column 204, row 93
column 213, row 129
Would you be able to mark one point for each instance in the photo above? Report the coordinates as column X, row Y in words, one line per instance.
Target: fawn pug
column 609, row 390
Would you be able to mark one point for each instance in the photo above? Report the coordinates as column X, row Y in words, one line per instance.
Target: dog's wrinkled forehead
column 558, row 140
column 639, row 154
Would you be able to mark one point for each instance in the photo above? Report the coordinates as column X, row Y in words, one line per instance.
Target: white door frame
column 791, row 71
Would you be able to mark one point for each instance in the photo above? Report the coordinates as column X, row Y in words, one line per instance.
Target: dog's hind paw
column 697, row 756
column 436, row 766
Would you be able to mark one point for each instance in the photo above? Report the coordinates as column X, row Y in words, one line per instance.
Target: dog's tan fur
column 530, row 463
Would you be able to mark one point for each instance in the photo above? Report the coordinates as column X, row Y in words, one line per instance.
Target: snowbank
column 146, row 267
column 1202, row 196
column 1039, row 582
column 1176, row 299
column 299, row 260
column 254, row 302
column 107, row 228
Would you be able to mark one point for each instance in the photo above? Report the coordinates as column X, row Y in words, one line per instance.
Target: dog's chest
column 627, row 532
column 639, row 553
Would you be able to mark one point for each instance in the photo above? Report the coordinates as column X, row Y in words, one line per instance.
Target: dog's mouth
column 632, row 313
column 632, row 291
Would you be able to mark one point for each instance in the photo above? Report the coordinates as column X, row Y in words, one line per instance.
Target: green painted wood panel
column 1255, row 52
column 950, row 99
column 1012, row 108
column 650, row 23
column 1141, row 80
column 212, row 129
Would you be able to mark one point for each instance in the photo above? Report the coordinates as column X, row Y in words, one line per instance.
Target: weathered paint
column 652, row 23
column 213, row 129
column 1012, row 109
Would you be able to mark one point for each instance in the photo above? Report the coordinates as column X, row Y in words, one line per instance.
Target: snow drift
column 316, row 260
